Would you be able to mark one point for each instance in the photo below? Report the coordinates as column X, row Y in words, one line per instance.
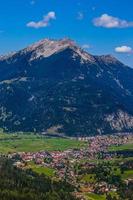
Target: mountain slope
column 16, row 183
column 55, row 86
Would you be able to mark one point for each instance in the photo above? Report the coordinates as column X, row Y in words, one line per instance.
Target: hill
column 25, row 184
column 54, row 86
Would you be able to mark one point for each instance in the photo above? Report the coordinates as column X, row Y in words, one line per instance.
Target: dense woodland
column 17, row 184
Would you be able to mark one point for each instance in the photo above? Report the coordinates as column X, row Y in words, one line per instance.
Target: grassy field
column 41, row 170
column 121, row 147
column 34, row 143
column 92, row 196
column 89, row 178
column 127, row 174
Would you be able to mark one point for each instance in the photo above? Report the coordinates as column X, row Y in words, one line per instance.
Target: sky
column 98, row 26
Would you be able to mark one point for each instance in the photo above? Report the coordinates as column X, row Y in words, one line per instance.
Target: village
column 71, row 164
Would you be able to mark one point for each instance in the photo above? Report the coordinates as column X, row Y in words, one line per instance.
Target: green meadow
column 41, row 169
column 32, row 143
column 122, row 147
column 92, row 196
column 88, row 178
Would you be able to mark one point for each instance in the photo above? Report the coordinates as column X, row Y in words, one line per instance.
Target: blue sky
column 101, row 26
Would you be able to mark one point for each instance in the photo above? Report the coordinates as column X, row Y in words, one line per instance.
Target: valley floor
column 99, row 168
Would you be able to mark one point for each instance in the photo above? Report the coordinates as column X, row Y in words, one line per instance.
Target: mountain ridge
column 65, row 89
column 62, row 43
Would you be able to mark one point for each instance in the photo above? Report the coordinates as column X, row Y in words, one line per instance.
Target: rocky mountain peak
column 48, row 47
column 44, row 48
column 51, row 44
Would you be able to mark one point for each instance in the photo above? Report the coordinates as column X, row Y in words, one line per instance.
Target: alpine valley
column 54, row 86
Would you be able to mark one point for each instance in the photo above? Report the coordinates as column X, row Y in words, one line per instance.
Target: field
column 41, row 170
column 121, row 147
column 33, row 143
column 88, row 178
column 128, row 174
column 92, row 196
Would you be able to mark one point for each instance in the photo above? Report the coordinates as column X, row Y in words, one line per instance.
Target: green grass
column 89, row 178
column 92, row 196
column 33, row 143
column 127, row 174
column 41, row 170
column 121, row 147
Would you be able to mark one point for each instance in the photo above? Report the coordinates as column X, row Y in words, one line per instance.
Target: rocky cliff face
column 55, row 85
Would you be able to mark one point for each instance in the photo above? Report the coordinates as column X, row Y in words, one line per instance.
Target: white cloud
column 80, row 16
column 44, row 22
column 108, row 21
column 124, row 49
column 85, row 46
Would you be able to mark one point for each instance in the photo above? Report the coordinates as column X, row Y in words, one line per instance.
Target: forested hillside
column 16, row 184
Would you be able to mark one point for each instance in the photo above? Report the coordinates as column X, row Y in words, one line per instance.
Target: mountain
column 55, row 86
